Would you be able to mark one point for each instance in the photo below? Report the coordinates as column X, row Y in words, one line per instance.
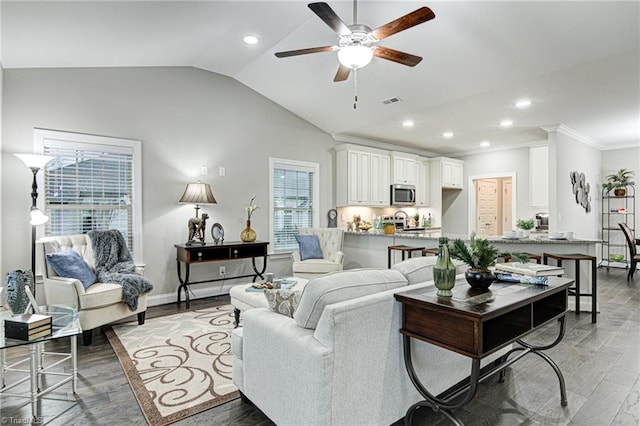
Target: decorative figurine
column 197, row 226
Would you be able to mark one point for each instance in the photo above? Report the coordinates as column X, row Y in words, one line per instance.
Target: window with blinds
column 294, row 201
column 90, row 186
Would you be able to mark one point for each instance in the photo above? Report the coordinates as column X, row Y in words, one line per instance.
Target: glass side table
column 65, row 323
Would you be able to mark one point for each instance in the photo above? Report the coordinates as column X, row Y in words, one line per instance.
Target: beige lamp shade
column 198, row 193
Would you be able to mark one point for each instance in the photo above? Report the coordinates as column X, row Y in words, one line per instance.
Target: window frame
column 105, row 143
column 299, row 166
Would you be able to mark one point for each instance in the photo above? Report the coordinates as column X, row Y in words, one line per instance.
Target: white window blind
column 294, row 201
column 91, row 186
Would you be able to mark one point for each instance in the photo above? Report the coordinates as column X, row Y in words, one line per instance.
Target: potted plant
column 526, row 225
column 479, row 255
column 618, row 182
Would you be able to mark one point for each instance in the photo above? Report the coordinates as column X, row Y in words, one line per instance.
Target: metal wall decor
column 581, row 189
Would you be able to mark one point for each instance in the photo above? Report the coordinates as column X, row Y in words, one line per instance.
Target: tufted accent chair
column 99, row 304
column 331, row 240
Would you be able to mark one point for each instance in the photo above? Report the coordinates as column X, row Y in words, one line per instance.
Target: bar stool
column 430, row 251
column 402, row 248
column 577, row 257
column 531, row 256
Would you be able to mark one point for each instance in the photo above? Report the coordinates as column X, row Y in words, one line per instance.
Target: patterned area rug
column 178, row 365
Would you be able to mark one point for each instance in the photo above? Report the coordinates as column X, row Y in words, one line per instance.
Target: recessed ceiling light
column 251, row 39
column 485, row 144
column 523, row 103
column 447, row 135
column 506, row 123
column 408, row 123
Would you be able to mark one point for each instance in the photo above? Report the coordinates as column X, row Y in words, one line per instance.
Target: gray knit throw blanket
column 115, row 265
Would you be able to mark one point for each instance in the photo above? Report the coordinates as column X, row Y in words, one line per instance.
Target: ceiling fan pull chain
column 355, row 88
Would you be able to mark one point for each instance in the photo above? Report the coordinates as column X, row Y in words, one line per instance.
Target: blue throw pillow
column 69, row 264
column 309, row 245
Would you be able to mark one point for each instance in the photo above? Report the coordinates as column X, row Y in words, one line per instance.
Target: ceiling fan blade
column 342, row 74
column 397, row 56
column 304, row 51
column 404, row 22
column 324, row 12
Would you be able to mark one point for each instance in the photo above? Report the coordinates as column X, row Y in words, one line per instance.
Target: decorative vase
column 479, row 280
column 620, row 192
column 14, row 285
column 248, row 235
column 389, row 228
column 444, row 271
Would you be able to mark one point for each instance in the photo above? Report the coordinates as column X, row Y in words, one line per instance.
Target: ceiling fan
column 357, row 43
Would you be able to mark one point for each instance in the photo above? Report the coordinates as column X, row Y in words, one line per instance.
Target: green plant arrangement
column 525, row 224
column 619, row 181
column 479, row 255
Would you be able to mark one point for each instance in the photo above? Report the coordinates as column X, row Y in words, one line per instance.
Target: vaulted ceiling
column 578, row 62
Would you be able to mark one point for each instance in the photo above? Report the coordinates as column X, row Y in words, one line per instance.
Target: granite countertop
column 434, row 234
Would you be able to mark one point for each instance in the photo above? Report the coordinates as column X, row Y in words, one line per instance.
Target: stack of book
column 529, row 273
column 27, row 326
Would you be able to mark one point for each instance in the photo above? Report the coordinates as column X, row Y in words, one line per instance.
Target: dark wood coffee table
column 477, row 324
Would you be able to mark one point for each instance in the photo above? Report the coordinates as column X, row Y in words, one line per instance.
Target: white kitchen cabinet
column 422, row 182
column 380, row 179
column 362, row 176
column 403, row 168
column 452, row 173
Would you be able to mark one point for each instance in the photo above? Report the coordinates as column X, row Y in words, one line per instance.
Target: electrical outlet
column 222, row 271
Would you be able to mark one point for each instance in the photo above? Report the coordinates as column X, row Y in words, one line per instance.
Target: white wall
column 185, row 118
column 568, row 154
column 503, row 162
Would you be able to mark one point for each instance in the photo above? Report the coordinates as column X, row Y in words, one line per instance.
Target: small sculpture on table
column 197, row 227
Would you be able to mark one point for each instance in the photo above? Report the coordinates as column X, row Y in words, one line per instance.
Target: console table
column 479, row 323
column 196, row 253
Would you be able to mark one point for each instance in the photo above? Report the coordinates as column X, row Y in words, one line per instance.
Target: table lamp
column 197, row 193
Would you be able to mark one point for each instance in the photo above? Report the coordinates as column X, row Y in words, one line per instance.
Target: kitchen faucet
column 406, row 218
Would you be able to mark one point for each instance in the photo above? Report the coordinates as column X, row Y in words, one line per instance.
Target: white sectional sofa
column 348, row 369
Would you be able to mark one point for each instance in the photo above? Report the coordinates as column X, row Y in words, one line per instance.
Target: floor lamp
column 35, row 162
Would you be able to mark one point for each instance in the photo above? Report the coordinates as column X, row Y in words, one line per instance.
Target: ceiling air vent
column 391, row 100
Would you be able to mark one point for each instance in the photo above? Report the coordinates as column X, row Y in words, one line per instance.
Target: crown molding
column 580, row 137
column 622, row 146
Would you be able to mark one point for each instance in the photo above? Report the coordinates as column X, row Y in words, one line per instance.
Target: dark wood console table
column 477, row 324
column 194, row 254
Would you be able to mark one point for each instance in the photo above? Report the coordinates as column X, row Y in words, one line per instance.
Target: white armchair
column 100, row 303
column 331, row 241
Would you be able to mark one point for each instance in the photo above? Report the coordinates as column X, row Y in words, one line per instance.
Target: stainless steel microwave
column 403, row 195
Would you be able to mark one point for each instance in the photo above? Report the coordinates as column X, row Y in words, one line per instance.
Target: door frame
column 471, row 196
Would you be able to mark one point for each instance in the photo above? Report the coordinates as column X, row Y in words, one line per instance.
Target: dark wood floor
column 600, row 362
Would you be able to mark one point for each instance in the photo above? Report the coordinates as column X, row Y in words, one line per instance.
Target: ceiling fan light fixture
column 355, row 57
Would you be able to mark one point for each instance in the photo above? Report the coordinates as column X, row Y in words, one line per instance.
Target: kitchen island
column 369, row 249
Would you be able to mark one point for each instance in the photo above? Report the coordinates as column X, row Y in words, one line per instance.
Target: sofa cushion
column 101, row 294
column 420, row 269
column 309, row 247
column 317, row 266
column 417, row 269
column 69, row 264
column 341, row 286
column 283, row 301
